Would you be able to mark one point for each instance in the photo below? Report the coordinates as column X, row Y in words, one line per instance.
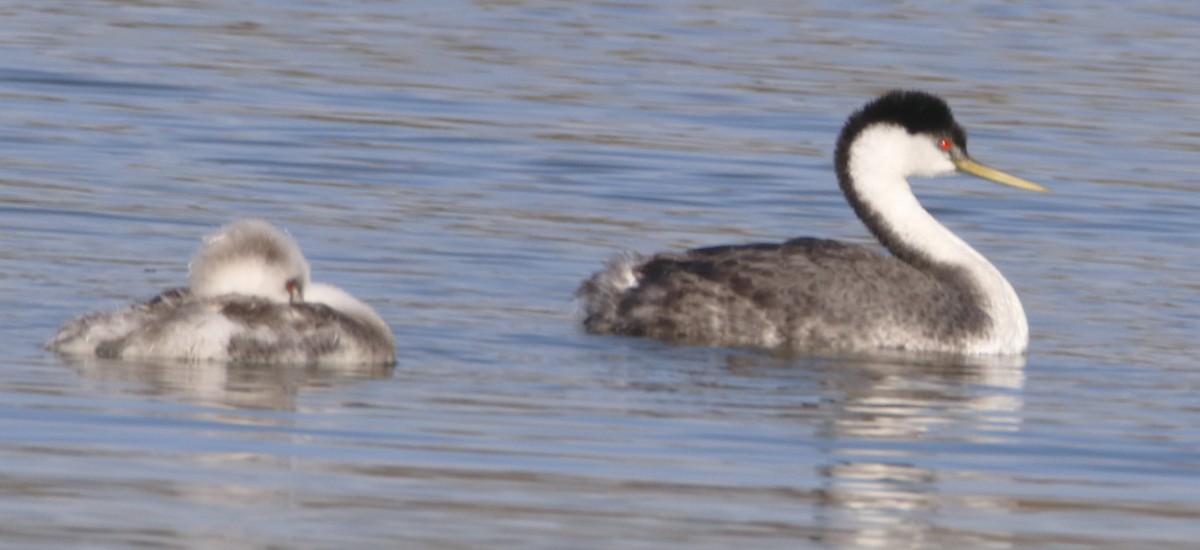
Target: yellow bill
column 975, row 169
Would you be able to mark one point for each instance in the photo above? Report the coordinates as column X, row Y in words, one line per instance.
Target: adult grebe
column 249, row 300
column 936, row 293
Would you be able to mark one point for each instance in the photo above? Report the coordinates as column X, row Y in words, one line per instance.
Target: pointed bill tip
column 969, row 166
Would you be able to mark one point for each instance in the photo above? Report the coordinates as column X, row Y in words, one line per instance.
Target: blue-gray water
column 463, row 165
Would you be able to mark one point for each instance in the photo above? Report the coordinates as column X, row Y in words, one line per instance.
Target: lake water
column 463, row 165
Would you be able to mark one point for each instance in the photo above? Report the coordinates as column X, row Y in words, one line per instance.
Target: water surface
column 463, row 165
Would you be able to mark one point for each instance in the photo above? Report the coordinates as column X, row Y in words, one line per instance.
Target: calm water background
column 463, row 165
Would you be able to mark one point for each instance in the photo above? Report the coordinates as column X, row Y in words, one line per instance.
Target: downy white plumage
column 249, row 300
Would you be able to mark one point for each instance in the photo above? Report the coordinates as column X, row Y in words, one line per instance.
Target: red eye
column 945, row 144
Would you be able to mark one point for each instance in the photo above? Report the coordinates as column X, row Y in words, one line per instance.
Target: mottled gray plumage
column 249, row 300
column 783, row 296
column 262, row 331
column 934, row 294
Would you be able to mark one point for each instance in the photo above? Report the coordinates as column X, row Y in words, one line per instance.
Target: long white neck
column 879, row 161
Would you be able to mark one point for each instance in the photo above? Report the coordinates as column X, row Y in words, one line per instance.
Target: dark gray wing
column 302, row 333
column 804, row 293
column 178, row 325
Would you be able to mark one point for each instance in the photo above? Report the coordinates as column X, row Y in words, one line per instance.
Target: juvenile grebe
column 249, row 300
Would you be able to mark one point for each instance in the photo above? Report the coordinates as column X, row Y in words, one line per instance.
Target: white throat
column 880, row 160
